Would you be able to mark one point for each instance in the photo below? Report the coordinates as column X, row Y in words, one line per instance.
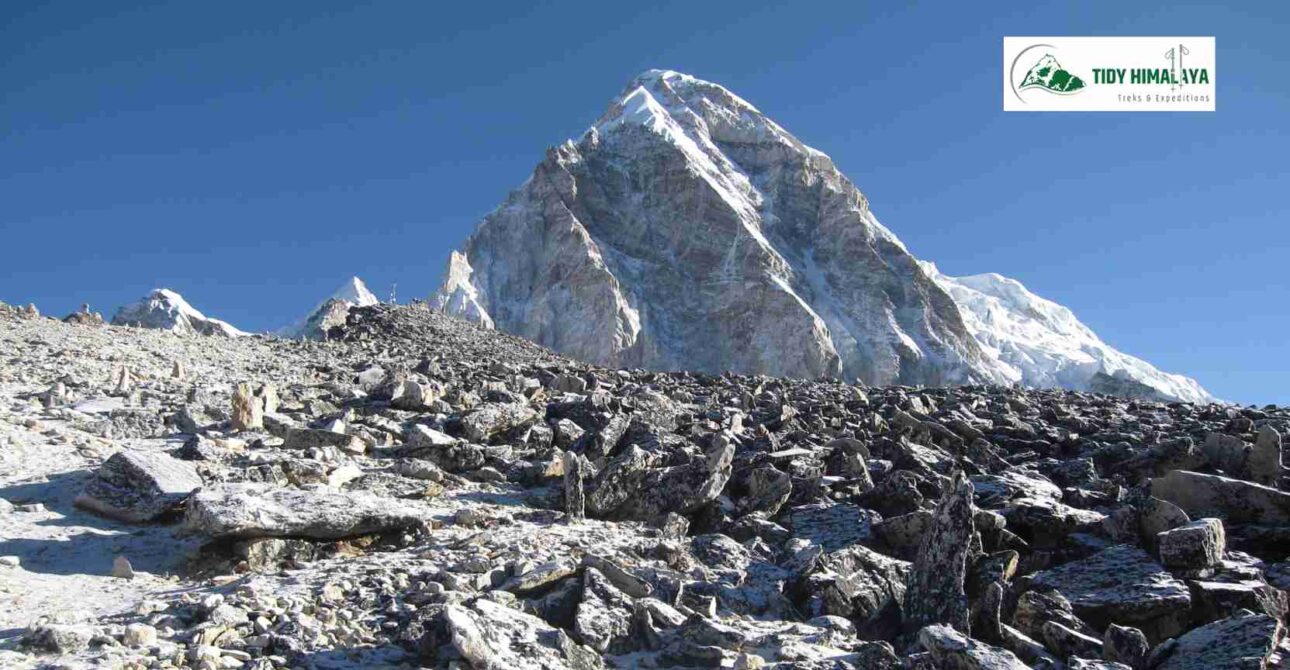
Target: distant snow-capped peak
column 164, row 309
column 1041, row 343
column 353, row 293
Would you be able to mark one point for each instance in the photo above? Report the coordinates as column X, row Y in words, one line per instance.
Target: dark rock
column 832, row 526
column 1199, row 544
column 604, row 617
column 1123, row 644
column 1213, row 600
column 936, row 592
column 1243, row 641
column 1123, row 585
column 575, row 499
column 768, row 490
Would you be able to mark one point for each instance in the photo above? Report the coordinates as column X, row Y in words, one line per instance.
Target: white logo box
column 1119, row 74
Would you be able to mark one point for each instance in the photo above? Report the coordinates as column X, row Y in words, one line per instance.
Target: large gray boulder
column 1235, row 500
column 1199, row 544
column 255, row 510
column 488, row 635
column 139, row 486
column 1122, row 585
column 833, row 526
column 861, row 585
column 488, row 421
column 681, row 488
column 1242, row 642
column 953, row 650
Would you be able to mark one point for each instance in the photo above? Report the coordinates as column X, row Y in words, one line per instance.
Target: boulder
column 1124, row 585
column 861, row 585
column 139, row 486
column 681, row 488
column 491, row 420
column 415, row 396
column 952, row 650
column 257, row 510
column 768, row 490
column 1244, row 641
column 310, row 438
column 1226, row 452
column 626, row 581
column 248, row 410
column 604, row 617
column 1264, row 463
column 619, row 480
column 492, row 636
column 1066, row 642
column 575, row 498
column 904, row 534
column 1234, row 500
column 1199, row 544
column 936, row 592
column 539, row 577
column 60, row 638
column 1213, row 600
column 1123, row 644
column 1076, row 663
column 420, row 436
column 832, row 526
column 1036, row 608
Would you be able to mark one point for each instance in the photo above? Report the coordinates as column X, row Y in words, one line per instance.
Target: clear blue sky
column 254, row 155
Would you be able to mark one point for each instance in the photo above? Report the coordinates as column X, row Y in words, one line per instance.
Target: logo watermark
column 1108, row 74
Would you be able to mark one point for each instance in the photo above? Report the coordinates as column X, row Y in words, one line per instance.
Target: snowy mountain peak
column 164, row 309
column 314, row 325
column 1041, row 343
column 354, row 292
column 687, row 230
column 458, row 295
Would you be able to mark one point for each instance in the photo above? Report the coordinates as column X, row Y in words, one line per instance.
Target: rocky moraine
column 415, row 491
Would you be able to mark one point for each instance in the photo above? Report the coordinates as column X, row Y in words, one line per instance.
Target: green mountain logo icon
column 1049, row 75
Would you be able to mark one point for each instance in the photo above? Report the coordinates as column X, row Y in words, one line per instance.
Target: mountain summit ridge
column 687, row 230
column 164, row 309
column 331, row 310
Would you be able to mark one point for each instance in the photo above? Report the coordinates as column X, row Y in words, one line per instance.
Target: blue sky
column 254, row 155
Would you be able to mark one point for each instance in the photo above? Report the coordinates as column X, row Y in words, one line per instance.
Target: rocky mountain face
column 331, row 311
column 686, row 230
column 417, row 491
column 164, row 309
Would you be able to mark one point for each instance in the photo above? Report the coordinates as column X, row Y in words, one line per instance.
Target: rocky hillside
column 415, row 491
column 686, row 230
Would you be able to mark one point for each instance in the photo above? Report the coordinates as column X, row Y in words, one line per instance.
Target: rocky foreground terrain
column 418, row 492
